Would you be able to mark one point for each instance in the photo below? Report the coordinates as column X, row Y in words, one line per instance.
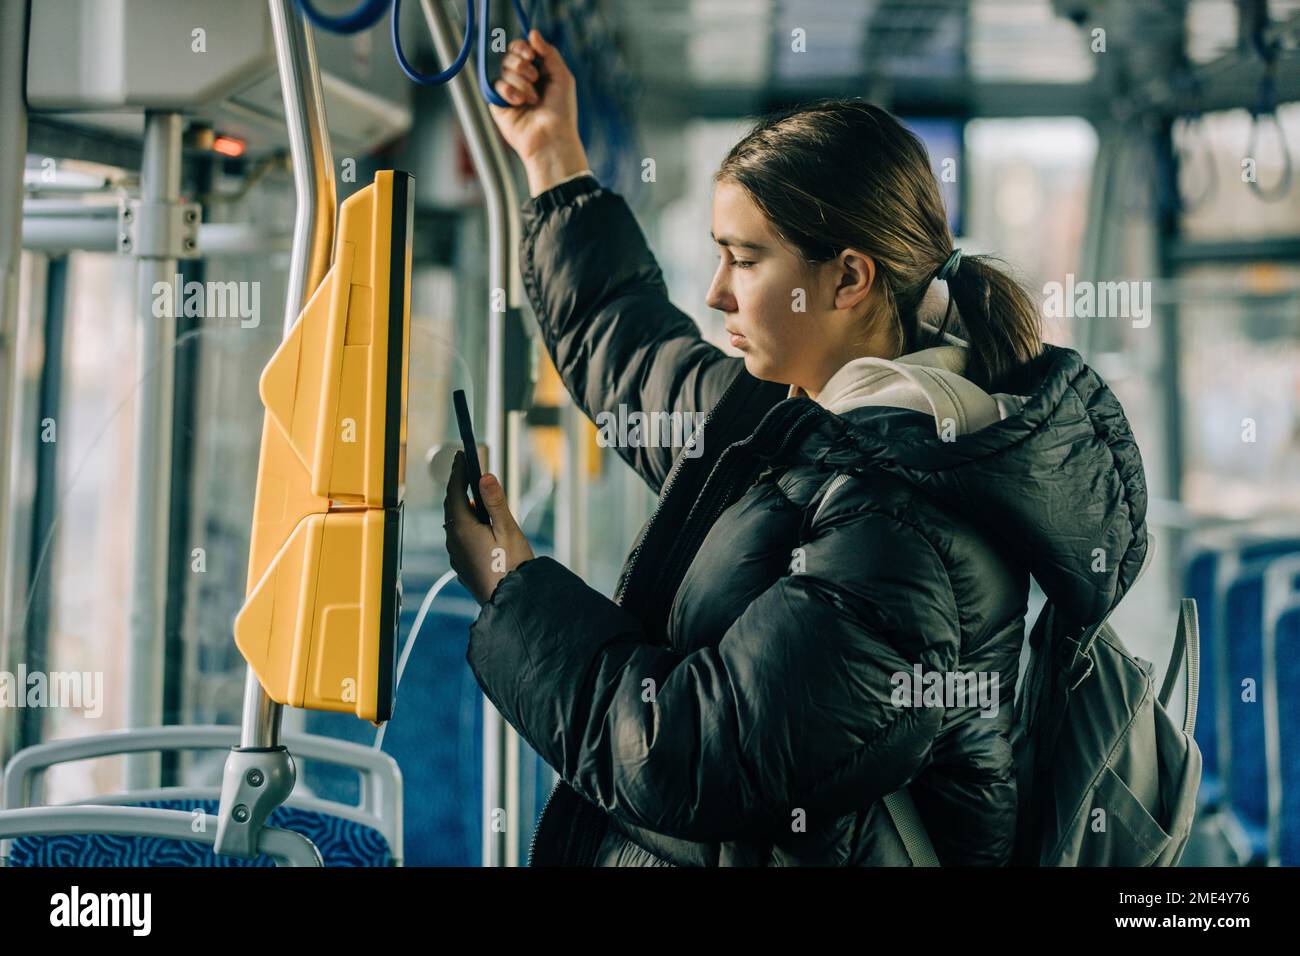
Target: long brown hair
column 841, row 173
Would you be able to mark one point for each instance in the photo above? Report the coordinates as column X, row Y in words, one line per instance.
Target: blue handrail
column 491, row 95
column 432, row 79
column 370, row 11
column 363, row 17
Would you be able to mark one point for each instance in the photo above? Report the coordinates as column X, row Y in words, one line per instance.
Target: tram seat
column 1287, row 644
column 1210, row 574
column 1200, row 585
column 1248, row 773
column 1282, row 628
column 1222, row 575
column 341, row 841
column 368, row 832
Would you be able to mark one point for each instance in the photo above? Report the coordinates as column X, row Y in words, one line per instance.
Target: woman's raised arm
column 620, row 346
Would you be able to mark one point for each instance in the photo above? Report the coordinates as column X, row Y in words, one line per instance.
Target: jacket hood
column 930, row 381
column 1050, row 470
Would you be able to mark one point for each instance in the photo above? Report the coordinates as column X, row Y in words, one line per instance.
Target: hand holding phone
column 472, row 469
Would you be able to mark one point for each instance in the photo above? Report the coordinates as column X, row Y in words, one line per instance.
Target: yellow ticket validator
column 319, row 623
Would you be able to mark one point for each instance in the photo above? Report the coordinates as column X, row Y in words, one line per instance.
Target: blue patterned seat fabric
column 341, row 843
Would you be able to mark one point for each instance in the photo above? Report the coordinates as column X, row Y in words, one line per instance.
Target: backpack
column 1104, row 776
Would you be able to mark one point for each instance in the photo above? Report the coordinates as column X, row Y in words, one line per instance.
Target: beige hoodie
column 926, row 381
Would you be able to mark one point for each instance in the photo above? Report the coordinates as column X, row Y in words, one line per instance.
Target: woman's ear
column 856, row 278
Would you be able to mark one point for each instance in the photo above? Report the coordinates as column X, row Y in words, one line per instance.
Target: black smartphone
column 473, row 472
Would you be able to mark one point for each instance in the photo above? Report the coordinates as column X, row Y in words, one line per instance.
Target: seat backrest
column 1211, row 572
column 379, row 809
column 1246, row 779
column 1282, row 708
column 342, row 842
column 1287, row 644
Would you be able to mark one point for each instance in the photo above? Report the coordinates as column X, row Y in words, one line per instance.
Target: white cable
column 410, row 644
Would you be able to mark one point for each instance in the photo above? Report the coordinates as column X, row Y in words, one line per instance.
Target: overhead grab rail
column 1189, row 133
column 1188, row 91
column 369, row 13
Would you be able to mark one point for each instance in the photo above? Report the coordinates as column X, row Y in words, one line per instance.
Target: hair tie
column 949, row 268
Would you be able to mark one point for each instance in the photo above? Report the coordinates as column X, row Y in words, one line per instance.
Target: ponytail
column 1000, row 324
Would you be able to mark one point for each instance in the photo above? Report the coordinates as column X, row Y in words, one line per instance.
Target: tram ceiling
column 727, row 58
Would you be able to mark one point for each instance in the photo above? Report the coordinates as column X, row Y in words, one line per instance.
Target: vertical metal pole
column 160, row 182
column 313, row 161
column 41, row 481
column 1169, row 319
column 313, row 234
column 13, row 152
column 500, row 742
column 1094, row 265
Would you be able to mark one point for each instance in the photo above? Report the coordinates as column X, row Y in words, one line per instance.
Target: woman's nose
column 719, row 296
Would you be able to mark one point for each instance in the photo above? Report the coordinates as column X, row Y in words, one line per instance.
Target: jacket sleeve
column 791, row 709
column 604, row 314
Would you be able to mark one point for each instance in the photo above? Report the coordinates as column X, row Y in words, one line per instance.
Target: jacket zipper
column 631, row 566
column 532, row 845
column 830, row 490
column 663, row 496
column 717, row 510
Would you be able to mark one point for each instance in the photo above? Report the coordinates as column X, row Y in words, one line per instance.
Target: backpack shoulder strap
column 908, row 822
column 1187, row 639
column 902, row 810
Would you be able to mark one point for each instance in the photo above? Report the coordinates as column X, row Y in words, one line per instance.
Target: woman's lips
column 736, row 339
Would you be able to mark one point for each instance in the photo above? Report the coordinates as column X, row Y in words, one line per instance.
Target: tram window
column 220, row 485
column 89, row 581
column 1240, row 386
column 1028, row 184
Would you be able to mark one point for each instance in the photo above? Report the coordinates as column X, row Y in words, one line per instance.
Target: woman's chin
column 758, row 367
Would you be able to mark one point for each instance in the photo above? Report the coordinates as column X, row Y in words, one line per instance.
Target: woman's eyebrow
column 729, row 241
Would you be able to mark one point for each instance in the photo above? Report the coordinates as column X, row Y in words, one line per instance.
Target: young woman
column 845, row 549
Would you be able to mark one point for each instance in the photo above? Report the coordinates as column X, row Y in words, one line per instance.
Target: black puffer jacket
column 725, row 709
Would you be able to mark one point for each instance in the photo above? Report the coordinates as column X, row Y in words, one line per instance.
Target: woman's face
column 794, row 323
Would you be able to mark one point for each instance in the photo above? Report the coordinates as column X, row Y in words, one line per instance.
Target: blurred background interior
column 1107, row 156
